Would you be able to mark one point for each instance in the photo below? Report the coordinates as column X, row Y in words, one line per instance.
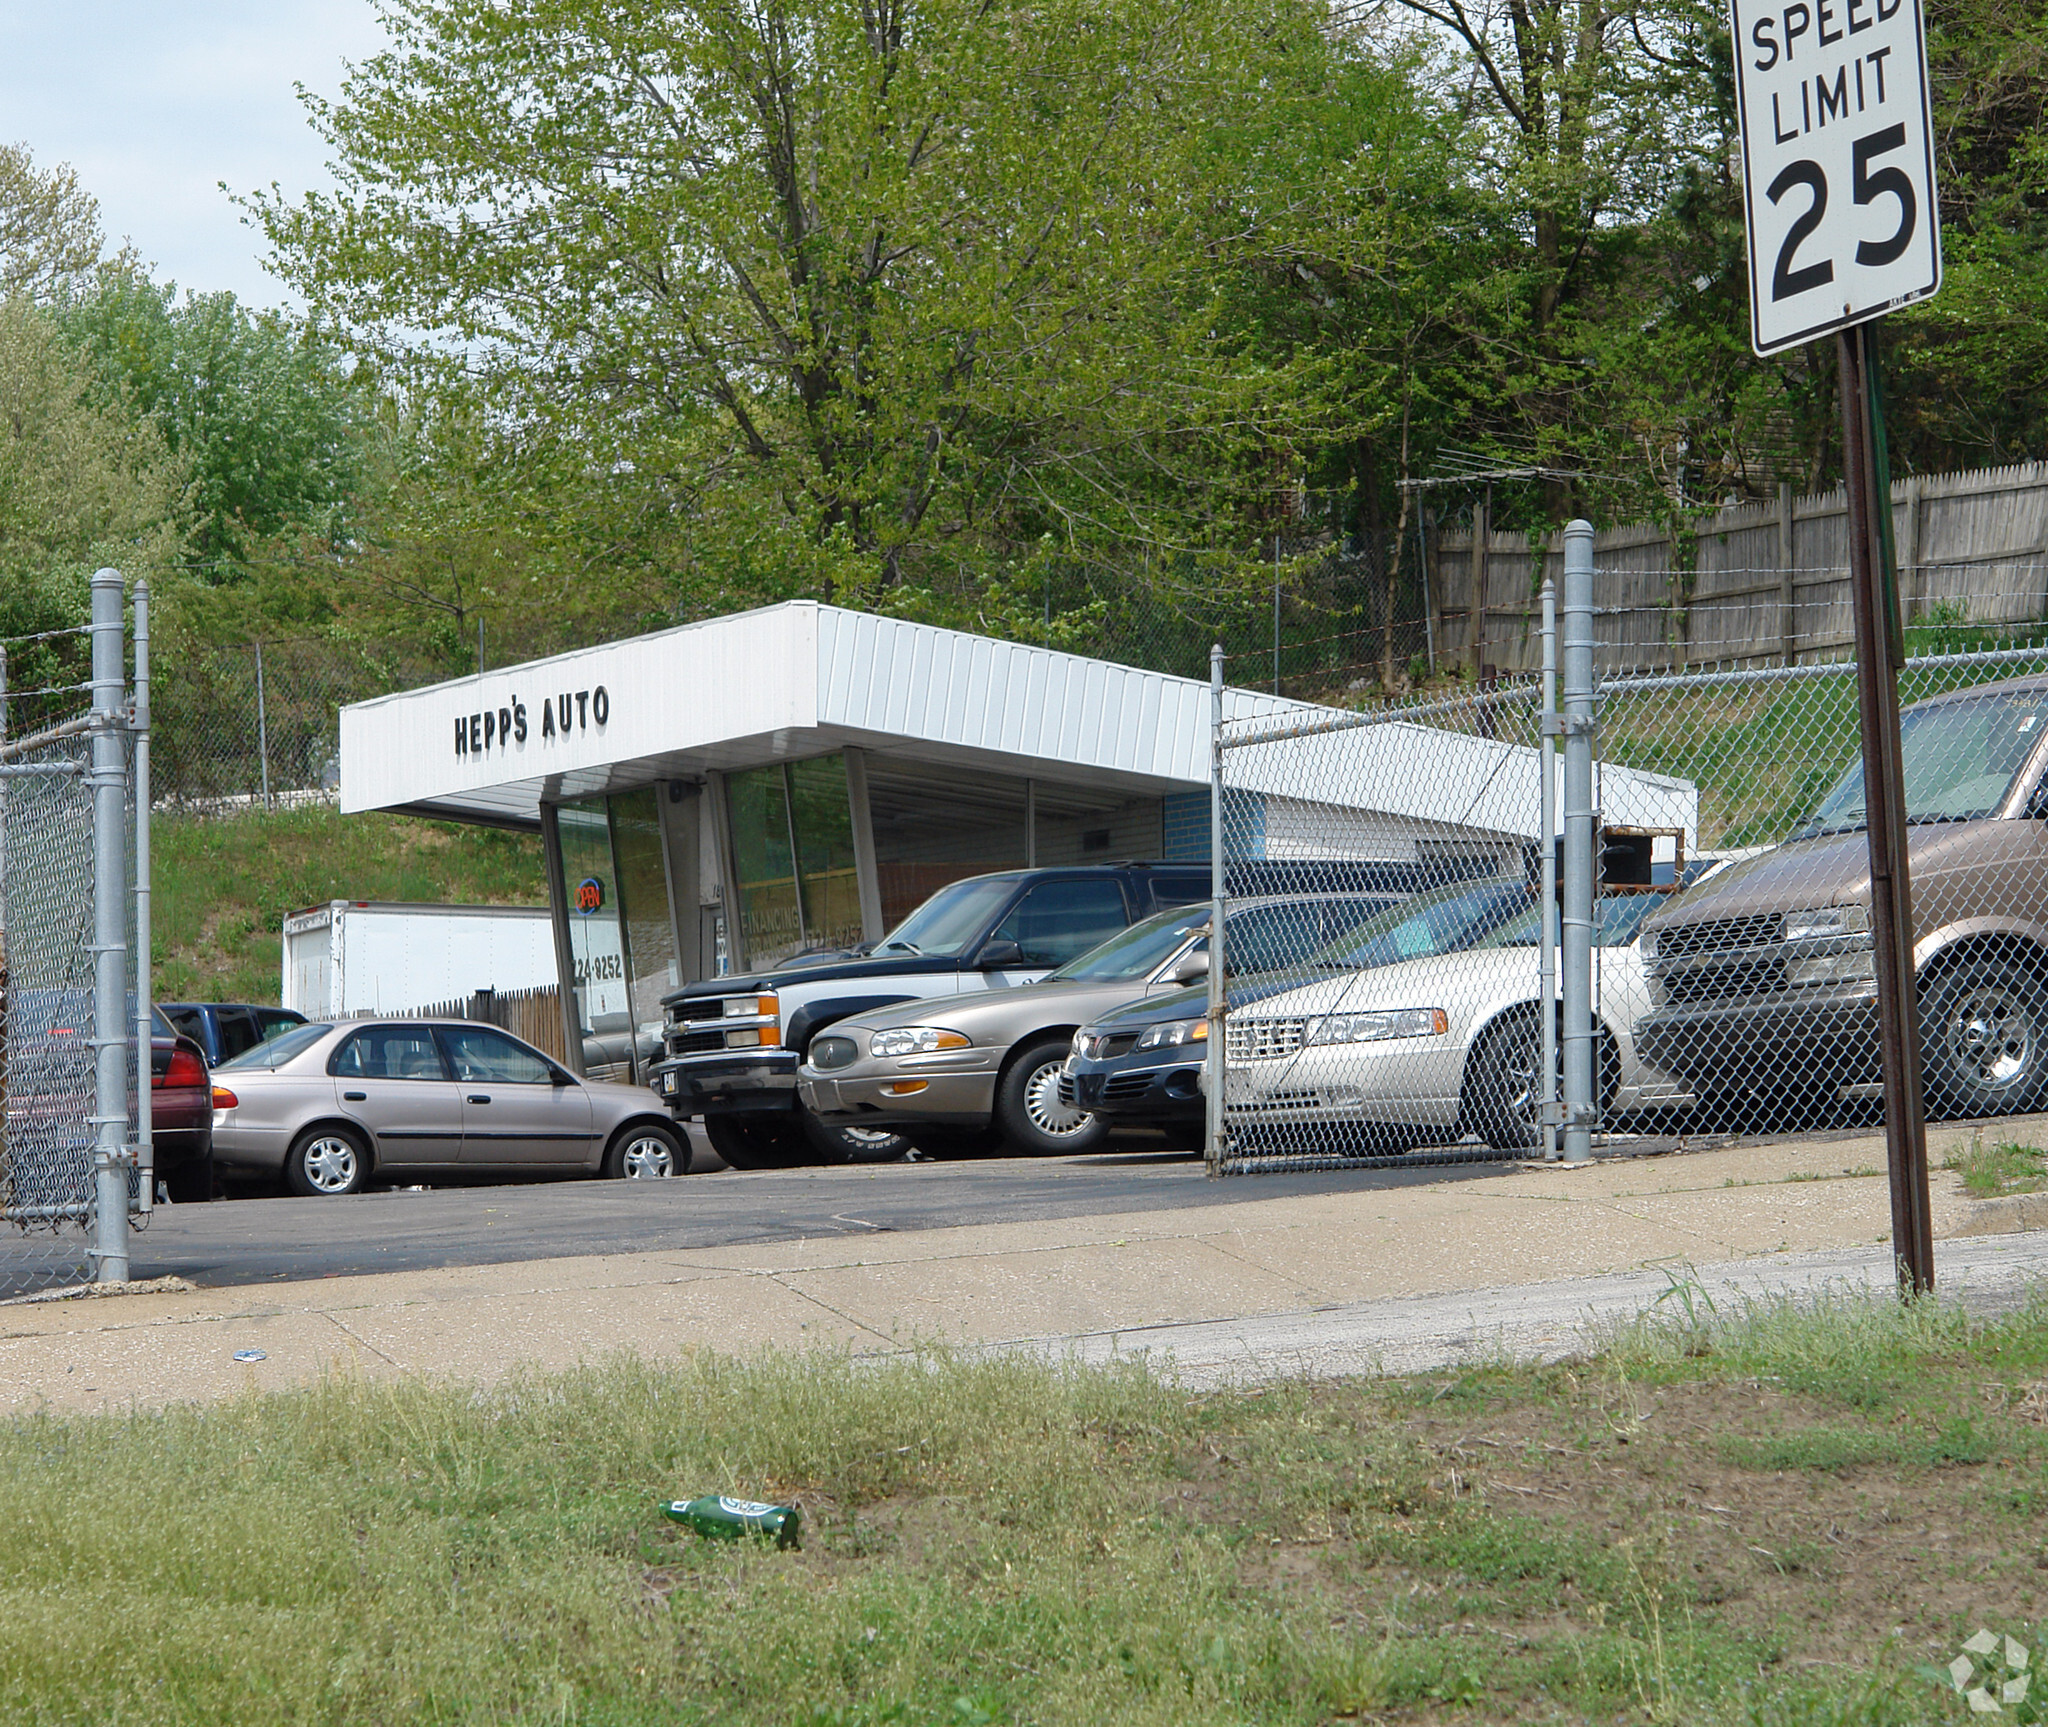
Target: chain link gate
column 1731, row 986
column 74, row 1127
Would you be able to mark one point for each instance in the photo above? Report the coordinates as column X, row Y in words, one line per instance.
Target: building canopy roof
column 777, row 684
column 801, row 679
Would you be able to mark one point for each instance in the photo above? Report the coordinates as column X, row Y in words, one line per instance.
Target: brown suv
column 1761, row 979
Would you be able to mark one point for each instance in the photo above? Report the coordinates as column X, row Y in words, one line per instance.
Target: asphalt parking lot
column 257, row 1240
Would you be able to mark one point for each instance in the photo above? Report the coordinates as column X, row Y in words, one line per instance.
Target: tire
column 1028, row 1112
column 325, row 1163
column 834, row 1144
column 647, row 1151
column 1984, row 1038
column 1502, row 1083
column 192, row 1185
column 769, row 1143
column 1502, row 1088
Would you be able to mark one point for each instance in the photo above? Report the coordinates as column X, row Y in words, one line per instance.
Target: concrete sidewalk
column 1272, row 1269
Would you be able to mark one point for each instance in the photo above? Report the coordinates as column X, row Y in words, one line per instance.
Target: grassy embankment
column 1776, row 1519
column 221, row 889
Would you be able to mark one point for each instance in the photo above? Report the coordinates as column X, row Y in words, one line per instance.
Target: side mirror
column 999, row 953
column 2037, row 804
column 1192, row 969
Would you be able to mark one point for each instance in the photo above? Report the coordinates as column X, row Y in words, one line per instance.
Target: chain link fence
column 53, row 1027
column 1731, row 987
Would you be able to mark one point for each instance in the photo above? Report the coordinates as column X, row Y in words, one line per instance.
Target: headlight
column 1827, row 920
column 1647, row 947
column 1174, row 1031
column 826, row 1053
column 1859, row 966
column 1373, row 1027
column 915, row 1040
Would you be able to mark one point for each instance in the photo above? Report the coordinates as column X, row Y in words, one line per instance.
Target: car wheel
column 193, row 1184
column 836, row 1144
column 1503, row 1083
column 1504, row 1087
column 1982, row 1035
column 776, row 1143
column 1029, row 1113
column 647, row 1151
column 325, row 1162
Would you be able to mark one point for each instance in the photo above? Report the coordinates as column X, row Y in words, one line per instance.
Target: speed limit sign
column 1837, row 163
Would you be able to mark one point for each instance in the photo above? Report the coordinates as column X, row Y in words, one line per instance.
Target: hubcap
column 1991, row 1038
column 1042, row 1104
column 1519, row 1063
column 647, row 1158
column 331, row 1164
column 869, row 1138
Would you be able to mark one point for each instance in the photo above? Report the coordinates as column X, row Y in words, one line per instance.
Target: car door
column 518, row 1108
column 1053, row 922
column 392, row 1081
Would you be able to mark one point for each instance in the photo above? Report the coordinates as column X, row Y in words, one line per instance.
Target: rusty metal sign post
column 1843, row 226
column 1880, row 653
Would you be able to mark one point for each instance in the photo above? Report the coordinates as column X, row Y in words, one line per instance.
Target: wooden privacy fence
column 532, row 1014
column 1758, row 582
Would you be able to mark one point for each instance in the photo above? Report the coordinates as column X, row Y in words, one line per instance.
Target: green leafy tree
column 81, row 485
column 50, row 236
column 269, row 420
column 869, row 296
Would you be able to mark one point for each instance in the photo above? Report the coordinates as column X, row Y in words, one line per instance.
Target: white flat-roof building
column 727, row 793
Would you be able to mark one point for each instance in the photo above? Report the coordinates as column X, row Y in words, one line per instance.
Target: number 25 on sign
column 1837, row 163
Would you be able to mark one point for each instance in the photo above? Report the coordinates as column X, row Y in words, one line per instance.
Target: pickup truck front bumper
column 736, row 1082
column 1771, row 1042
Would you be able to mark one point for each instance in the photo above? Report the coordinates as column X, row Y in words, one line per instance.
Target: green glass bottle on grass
column 719, row 1518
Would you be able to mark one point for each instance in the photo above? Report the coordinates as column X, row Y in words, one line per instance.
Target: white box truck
column 354, row 956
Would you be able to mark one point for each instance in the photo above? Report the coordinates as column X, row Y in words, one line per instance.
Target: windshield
column 1448, row 920
column 1137, row 951
column 1959, row 759
column 1616, row 918
column 276, row 1051
column 948, row 923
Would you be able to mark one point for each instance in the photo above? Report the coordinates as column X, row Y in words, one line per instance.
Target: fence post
column 262, row 729
column 1576, row 920
column 1276, row 614
column 1212, row 1088
column 1547, row 966
column 1482, row 542
column 1788, row 622
column 145, row 1123
column 109, row 781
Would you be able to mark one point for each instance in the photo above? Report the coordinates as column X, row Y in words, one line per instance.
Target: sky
column 156, row 104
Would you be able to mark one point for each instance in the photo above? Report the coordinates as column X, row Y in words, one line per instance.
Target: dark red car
column 49, row 1087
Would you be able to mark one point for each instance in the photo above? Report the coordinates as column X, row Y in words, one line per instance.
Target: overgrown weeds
column 1771, row 1515
column 2005, row 1166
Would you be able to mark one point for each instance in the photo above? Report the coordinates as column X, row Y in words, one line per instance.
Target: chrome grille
column 1719, row 935
column 1263, row 1039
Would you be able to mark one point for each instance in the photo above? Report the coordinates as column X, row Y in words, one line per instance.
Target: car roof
column 2034, row 683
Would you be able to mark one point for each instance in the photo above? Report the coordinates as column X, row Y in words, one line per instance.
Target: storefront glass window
column 651, row 968
column 764, row 868
column 824, row 838
column 596, row 938
column 792, row 841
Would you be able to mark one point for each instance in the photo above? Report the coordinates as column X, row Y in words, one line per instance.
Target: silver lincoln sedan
column 331, row 1107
